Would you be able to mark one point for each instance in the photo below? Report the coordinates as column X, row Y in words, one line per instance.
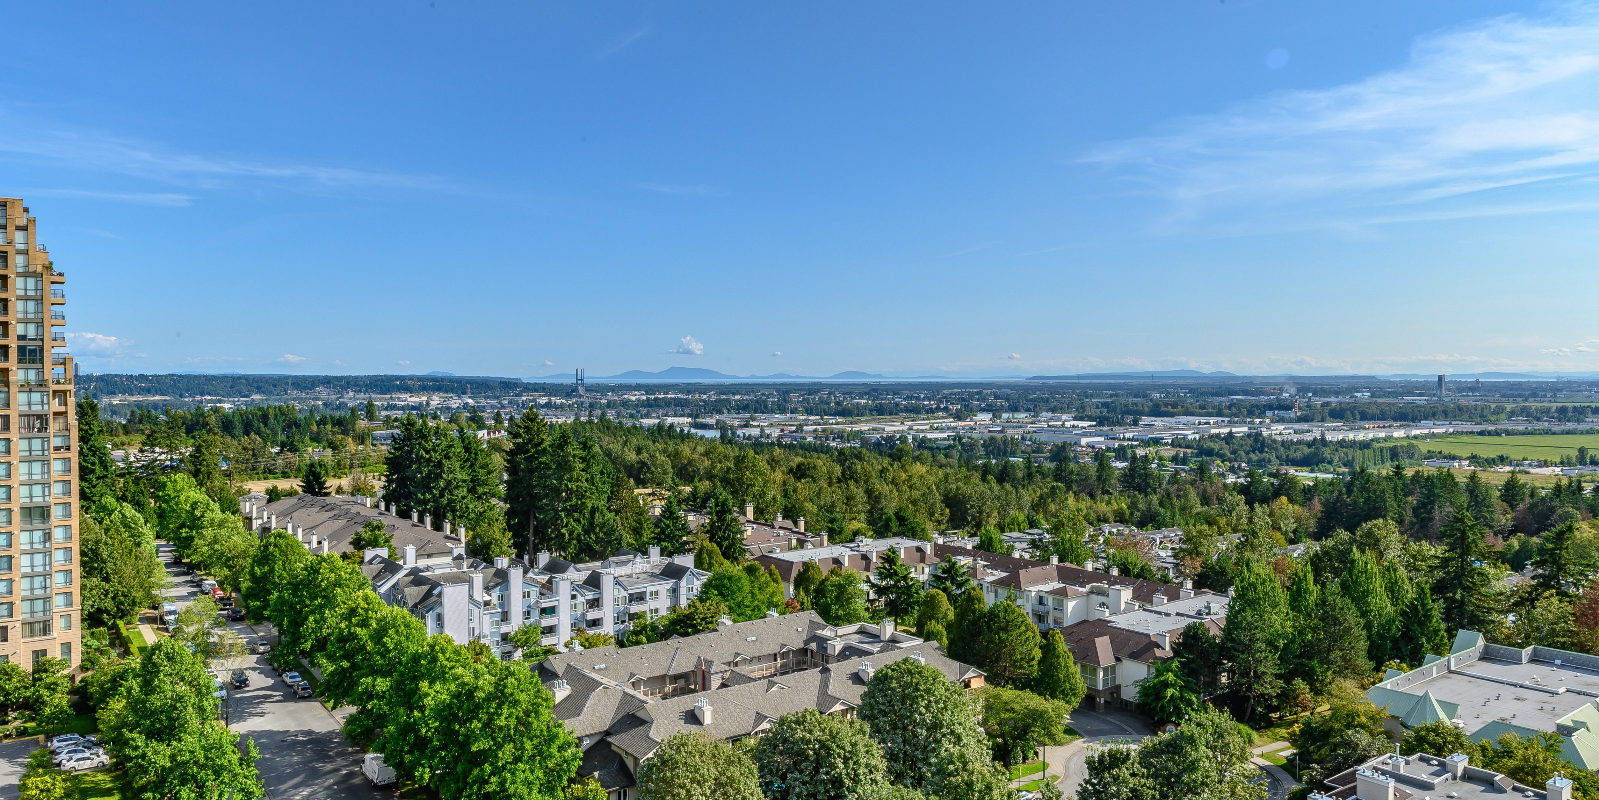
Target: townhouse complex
column 39, row 583
column 1115, row 626
column 731, row 683
column 1487, row 690
column 1397, row 777
column 428, row 573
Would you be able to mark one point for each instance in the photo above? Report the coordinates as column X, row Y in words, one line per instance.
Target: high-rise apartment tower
column 40, row 589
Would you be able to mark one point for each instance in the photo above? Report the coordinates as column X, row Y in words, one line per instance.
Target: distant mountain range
column 700, row 374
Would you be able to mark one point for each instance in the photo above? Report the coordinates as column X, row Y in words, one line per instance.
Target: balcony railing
column 59, row 358
column 60, row 315
column 58, row 294
column 30, row 315
column 58, row 336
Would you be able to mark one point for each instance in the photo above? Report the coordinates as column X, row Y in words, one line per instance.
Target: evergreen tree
column 1513, row 491
column 898, row 590
column 1198, row 652
column 723, row 527
column 96, row 469
column 1336, row 647
column 1362, row 586
column 533, row 501
column 1058, row 677
column 933, row 616
column 810, row 576
column 970, row 609
column 1005, row 645
column 840, row 598
column 1254, row 634
column 952, row 578
column 1421, row 628
column 1464, row 587
column 1166, row 695
column 1559, row 566
column 670, row 529
column 315, row 480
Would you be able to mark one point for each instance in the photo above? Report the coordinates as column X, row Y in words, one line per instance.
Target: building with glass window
column 39, row 592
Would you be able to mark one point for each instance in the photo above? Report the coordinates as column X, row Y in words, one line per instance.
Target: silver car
column 86, row 761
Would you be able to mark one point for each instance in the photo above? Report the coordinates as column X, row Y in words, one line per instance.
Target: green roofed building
column 1487, row 690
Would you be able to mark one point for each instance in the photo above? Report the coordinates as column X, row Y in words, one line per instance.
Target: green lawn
column 1023, row 770
column 1548, row 447
column 1031, row 786
column 102, row 784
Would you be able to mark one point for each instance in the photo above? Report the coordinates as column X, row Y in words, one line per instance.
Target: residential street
column 303, row 754
column 1099, row 729
column 13, row 757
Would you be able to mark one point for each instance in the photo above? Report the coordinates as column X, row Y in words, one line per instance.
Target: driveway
column 303, row 754
column 1100, row 729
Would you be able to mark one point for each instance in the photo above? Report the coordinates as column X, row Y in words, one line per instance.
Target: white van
column 379, row 773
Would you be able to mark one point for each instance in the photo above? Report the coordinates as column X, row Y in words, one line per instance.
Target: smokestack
column 800, row 523
column 749, row 511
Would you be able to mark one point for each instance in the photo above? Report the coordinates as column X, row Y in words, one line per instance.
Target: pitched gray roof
column 338, row 518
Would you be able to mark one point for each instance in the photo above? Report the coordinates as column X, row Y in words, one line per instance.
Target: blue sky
column 912, row 188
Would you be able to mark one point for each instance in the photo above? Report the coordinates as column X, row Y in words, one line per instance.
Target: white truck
column 379, row 773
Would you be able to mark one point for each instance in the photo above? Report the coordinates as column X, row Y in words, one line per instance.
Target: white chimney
column 1187, row 591
column 703, row 711
column 886, row 630
column 414, row 515
column 501, row 562
column 324, row 546
column 1054, row 559
column 655, row 553
column 1457, row 765
column 1373, row 786
column 427, row 521
column 1559, row 787
column 446, row 528
column 800, row 523
column 866, row 671
column 749, row 511
column 1115, row 571
column 477, row 585
column 1159, row 600
column 274, row 522
column 561, row 690
column 409, row 559
column 1163, row 639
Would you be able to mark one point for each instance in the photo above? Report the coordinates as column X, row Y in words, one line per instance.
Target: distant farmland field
column 1544, row 447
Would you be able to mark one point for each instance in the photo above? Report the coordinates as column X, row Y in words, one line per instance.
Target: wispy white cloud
column 100, row 344
column 404, row 362
column 1499, row 115
column 290, row 358
column 548, row 363
column 689, row 346
column 1588, row 345
column 92, row 150
column 172, row 199
column 1014, row 357
column 622, row 42
column 684, row 189
column 777, row 354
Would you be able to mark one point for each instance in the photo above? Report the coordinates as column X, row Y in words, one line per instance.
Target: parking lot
column 303, row 754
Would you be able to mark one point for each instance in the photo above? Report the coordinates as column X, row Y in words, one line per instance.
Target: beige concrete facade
column 40, row 588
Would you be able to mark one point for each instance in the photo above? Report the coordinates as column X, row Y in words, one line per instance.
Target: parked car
column 86, row 761
column 260, row 648
column 302, row 689
column 241, row 679
column 292, row 678
column 207, row 585
column 236, row 614
column 170, row 621
column 169, row 608
column 379, row 773
column 64, row 741
column 74, row 752
column 225, row 601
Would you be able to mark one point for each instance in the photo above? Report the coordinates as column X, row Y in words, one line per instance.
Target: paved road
column 13, row 758
column 303, row 754
column 1099, row 729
